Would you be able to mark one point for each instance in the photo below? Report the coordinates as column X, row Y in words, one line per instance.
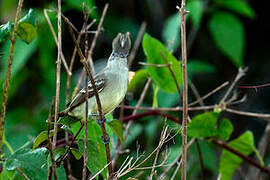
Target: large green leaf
column 171, row 32
column 27, row 27
column 32, row 162
column 22, row 53
column 196, row 11
column 229, row 162
column 228, row 34
column 239, row 6
column 205, row 125
column 95, row 156
column 162, row 76
column 96, row 143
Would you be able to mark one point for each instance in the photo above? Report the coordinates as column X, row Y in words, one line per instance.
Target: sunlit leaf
column 228, row 34
column 138, row 79
column 229, row 162
column 77, row 154
column 239, row 6
column 41, row 138
column 171, row 32
column 27, row 27
column 205, row 125
column 225, row 129
column 162, row 76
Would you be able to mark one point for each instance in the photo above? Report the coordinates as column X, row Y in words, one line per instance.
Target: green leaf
column 155, row 96
column 94, row 135
column 32, row 162
column 138, row 79
column 117, row 128
column 77, row 154
column 41, row 138
column 7, row 175
column 22, row 53
column 95, row 160
column 171, row 32
column 225, row 129
column 5, row 31
column 196, row 11
column 239, row 6
column 197, row 67
column 162, row 76
column 68, row 120
column 27, row 27
column 229, row 162
column 228, row 34
column 203, row 125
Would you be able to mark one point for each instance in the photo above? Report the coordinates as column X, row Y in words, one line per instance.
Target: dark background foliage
column 33, row 82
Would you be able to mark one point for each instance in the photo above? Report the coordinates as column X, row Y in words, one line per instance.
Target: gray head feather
column 121, row 44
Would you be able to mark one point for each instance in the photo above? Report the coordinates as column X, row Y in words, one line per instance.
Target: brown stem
column 89, row 73
column 85, row 156
column 52, row 169
column 183, row 13
column 90, row 52
column 8, row 74
column 58, row 76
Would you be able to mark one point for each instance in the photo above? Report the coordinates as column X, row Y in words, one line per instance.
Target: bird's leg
column 105, row 140
column 98, row 120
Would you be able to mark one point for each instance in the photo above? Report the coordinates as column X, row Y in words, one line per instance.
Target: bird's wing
column 100, row 82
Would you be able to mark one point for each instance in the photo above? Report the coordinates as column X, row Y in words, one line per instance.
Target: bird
column 111, row 83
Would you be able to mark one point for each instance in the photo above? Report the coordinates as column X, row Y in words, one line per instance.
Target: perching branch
column 183, row 14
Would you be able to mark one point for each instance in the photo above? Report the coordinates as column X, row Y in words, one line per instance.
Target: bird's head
column 121, row 44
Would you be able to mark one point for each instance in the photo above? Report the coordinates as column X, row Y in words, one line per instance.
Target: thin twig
column 164, row 174
column 183, row 14
column 209, row 94
column 53, row 168
column 8, row 74
column 240, row 74
column 199, row 108
column 58, row 76
column 136, row 44
column 22, row 173
column 100, row 171
column 250, row 114
column 56, row 42
column 85, row 156
column 90, row 52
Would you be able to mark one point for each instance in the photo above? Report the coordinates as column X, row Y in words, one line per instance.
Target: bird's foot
column 105, row 140
column 101, row 121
